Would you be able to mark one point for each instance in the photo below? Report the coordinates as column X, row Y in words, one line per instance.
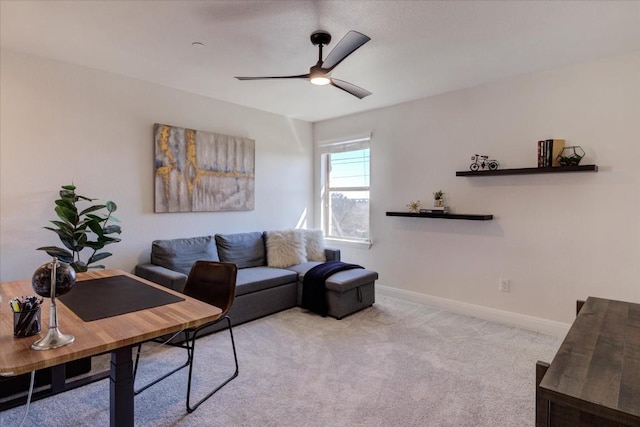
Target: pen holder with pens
column 26, row 323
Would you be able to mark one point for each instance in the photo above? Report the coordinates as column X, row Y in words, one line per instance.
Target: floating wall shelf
column 470, row 217
column 530, row 171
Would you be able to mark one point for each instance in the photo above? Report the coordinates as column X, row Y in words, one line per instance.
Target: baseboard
column 537, row 324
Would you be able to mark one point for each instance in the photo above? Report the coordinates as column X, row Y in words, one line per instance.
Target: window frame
column 325, row 151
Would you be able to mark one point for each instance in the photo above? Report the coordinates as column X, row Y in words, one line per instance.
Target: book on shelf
column 555, row 148
column 548, row 151
column 436, row 210
column 541, row 153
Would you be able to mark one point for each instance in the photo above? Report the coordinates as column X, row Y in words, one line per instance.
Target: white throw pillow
column 285, row 248
column 314, row 245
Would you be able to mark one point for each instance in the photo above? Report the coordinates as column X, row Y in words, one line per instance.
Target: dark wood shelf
column 471, row 217
column 530, row 171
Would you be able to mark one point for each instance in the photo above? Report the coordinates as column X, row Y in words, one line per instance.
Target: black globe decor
column 65, row 279
column 51, row 280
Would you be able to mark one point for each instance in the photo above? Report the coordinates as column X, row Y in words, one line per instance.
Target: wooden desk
column 594, row 379
column 114, row 334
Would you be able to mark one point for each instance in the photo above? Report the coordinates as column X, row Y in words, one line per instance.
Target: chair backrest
column 213, row 282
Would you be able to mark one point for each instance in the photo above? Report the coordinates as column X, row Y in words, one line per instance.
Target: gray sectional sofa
column 261, row 287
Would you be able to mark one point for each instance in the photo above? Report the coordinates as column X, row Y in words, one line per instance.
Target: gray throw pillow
column 180, row 254
column 243, row 249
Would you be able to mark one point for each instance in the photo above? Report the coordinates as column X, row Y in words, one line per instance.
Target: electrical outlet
column 505, row 285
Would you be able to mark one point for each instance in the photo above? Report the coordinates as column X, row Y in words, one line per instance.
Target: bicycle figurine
column 483, row 163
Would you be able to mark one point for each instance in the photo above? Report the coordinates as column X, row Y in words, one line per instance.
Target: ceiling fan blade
column 301, row 76
column 345, row 47
column 354, row 90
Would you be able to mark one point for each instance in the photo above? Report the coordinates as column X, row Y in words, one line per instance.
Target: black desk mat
column 112, row 296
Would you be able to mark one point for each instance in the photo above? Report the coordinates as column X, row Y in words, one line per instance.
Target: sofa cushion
column 285, row 248
column 258, row 278
column 314, row 245
column 180, row 254
column 301, row 269
column 243, row 249
column 349, row 279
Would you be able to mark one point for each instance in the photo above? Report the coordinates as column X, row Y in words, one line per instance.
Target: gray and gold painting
column 199, row 171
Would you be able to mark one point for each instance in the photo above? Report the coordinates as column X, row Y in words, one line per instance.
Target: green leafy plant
column 438, row 195
column 79, row 230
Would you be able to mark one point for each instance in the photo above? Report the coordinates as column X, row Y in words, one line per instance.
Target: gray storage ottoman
column 350, row 291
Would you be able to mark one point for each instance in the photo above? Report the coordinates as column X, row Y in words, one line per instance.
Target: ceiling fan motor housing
column 320, row 37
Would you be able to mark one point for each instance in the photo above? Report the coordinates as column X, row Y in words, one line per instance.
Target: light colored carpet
column 394, row 364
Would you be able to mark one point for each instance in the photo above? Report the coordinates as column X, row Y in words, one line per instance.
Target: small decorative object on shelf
column 438, row 199
column 481, row 162
column 51, row 280
column 439, row 205
column 414, row 206
column 570, row 156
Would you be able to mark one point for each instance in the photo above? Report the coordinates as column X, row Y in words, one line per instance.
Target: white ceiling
column 417, row 48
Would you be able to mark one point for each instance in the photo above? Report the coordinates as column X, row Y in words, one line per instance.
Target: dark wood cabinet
column 594, row 379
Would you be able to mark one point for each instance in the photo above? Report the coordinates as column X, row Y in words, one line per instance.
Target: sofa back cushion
column 180, row 254
column 243, row 249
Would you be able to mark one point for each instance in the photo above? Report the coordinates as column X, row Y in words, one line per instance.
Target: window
column 345, row 192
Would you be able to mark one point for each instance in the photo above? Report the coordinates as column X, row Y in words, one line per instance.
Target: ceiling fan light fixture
column 318, row 76
column 320, row 80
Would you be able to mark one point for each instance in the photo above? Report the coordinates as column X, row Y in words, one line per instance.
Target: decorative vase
column 51, row 280
column 438, row 203
column 570, row 156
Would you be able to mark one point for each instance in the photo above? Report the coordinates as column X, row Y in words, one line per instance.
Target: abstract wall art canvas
column 199, row 171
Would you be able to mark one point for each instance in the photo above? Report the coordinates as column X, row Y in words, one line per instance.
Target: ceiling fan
column 320, row 74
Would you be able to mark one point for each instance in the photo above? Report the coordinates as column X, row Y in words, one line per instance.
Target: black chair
column 215, row 284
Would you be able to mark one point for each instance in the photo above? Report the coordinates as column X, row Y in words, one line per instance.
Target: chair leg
column 157, row 380
column 235, row 374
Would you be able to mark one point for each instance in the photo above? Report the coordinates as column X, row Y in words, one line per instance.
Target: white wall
column 61, row 123
column 557, row 237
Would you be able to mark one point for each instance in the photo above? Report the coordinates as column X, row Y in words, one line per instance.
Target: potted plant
column 438, row 198
column 88, row 228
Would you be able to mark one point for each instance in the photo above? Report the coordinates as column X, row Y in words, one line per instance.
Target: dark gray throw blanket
column 313, row 288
